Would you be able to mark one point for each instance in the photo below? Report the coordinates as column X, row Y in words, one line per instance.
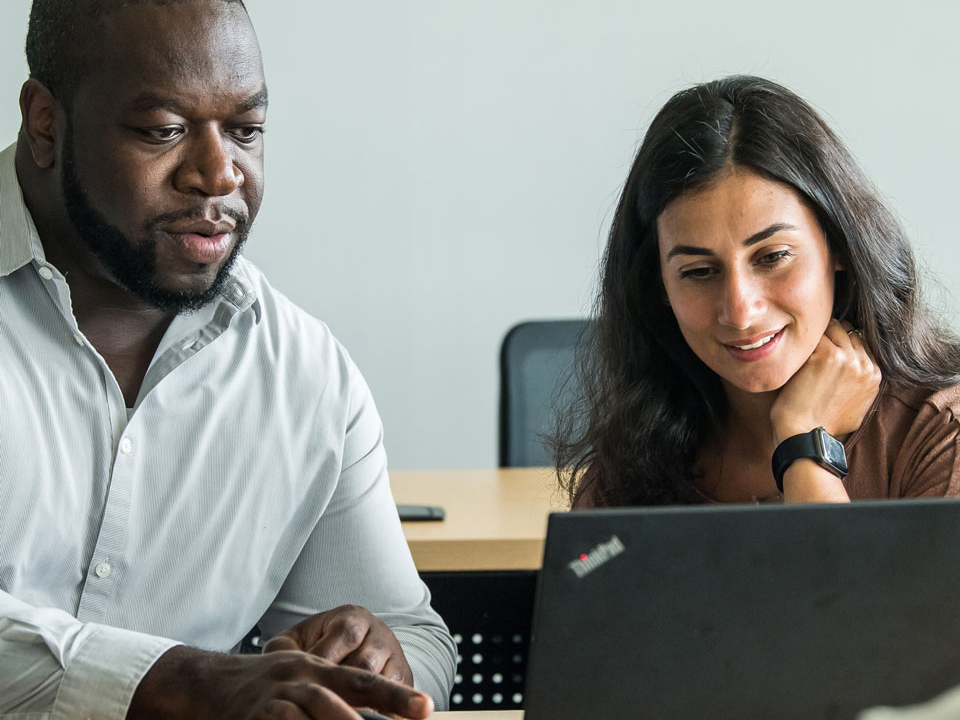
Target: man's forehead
column 174, row 27
column 161, row 42
column 98, row 9
column 150, row 100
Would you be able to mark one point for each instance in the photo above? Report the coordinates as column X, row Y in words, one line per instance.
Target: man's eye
column 162, row 134
column 248, row 133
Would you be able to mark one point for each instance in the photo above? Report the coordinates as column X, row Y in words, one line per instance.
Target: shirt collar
column 19, row 240
column 239, row 289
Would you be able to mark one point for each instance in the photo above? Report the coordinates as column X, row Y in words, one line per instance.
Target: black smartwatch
column 818, row 445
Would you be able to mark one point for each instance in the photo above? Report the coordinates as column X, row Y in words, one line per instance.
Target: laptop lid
column 801, row 611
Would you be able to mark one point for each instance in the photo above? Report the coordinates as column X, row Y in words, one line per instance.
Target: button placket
column 111, row 541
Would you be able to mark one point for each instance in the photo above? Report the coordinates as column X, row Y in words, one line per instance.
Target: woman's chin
column 756, row 385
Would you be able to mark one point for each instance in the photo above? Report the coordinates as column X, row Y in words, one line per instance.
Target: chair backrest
column 536, row 378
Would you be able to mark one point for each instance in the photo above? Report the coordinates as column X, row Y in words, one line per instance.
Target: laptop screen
column 801, row 611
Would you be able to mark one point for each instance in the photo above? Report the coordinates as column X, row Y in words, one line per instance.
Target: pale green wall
column 440, row 169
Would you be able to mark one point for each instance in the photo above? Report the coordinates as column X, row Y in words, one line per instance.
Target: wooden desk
column 495, row 519
column 481, row 565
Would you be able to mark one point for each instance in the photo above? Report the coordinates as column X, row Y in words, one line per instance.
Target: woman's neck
column 736, row 464
column 748, row 424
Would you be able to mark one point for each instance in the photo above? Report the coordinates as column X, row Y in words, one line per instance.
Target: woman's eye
column 698, row 273
column 774, row 257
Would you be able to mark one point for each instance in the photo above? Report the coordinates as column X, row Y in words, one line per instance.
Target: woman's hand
column 834, row 389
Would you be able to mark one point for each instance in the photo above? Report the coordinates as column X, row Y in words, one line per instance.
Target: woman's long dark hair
column 648, row 402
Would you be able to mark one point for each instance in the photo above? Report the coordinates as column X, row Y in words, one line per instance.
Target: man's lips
column 209, row 228
column 756, row 347
column 202, row 249
column 202, row 241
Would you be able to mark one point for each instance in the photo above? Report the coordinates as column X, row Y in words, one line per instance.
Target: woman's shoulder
column 902, row 410
column 907, row 446
column 912, row 399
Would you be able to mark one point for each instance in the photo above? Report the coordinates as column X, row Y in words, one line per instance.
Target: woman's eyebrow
column 752, row 240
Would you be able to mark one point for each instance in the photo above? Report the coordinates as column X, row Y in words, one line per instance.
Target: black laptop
column 766, row 612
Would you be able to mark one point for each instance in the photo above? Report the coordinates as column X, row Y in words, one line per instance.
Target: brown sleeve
column 928, row 464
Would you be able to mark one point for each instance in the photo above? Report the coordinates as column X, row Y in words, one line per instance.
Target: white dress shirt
column 248, row 485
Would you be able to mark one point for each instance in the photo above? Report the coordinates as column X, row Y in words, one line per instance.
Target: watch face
column 833, row 451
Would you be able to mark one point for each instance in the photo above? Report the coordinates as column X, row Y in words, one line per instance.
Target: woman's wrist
column 806, row 481
column 787, row 429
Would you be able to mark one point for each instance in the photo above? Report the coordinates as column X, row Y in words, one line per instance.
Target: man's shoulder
column 290, row 333
column 274, row 309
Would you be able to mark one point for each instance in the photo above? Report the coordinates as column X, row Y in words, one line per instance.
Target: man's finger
column 396, row 668
column 321, row 703
column 366, row 689
column 367, row 657
column 341, row 638
column 281, row 642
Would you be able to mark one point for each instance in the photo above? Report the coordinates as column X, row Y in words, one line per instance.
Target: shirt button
column 103, row 570
column 46, row 273
column 126, row 445
column 79, row 338
column 235, row 292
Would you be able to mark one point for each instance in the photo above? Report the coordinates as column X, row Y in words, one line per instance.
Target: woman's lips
column 756, row 353
column 203, row 249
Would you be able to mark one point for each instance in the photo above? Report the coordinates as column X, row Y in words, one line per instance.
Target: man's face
column 162, row 160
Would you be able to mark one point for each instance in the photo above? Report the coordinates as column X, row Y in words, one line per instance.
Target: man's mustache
column 199, row 212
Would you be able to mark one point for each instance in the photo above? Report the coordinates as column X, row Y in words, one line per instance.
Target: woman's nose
column 742, row 301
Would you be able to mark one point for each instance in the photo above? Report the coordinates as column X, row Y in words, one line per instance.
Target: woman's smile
column 749, row 278
column 751, row 351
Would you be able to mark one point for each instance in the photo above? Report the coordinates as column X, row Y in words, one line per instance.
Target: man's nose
column 742, row 301
column 208, row 167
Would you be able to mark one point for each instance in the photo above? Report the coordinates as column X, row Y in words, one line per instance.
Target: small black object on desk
column 372, row 715
column 420, row 512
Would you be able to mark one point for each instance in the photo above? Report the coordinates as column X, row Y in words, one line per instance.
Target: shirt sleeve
column 53, row 667
column 357, row 554
column 927, row 465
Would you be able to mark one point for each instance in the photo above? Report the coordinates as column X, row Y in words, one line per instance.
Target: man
column 183, row 453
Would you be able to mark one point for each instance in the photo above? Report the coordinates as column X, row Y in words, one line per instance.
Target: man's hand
column 348, row 635
column 283, row 685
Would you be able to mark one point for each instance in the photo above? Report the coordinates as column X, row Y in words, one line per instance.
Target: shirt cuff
column 426, row 655
column 101, row 678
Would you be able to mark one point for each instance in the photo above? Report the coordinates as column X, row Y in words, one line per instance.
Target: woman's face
column 749, row 277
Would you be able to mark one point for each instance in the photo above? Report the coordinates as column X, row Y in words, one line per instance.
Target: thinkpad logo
column 602, row 553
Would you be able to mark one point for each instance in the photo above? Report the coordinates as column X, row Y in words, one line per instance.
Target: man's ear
column 39, row 113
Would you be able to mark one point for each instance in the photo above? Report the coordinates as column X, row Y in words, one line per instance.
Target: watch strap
column 817, row 445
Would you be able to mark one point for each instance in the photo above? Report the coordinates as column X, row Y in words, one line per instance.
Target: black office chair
column 490, row 612
column 536, row 379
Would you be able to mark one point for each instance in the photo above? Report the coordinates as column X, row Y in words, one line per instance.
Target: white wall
column 441, row 169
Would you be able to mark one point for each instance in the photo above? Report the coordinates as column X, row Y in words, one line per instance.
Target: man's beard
column 132, row 262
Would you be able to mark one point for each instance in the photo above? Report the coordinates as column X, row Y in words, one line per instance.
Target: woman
column 758, row 323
